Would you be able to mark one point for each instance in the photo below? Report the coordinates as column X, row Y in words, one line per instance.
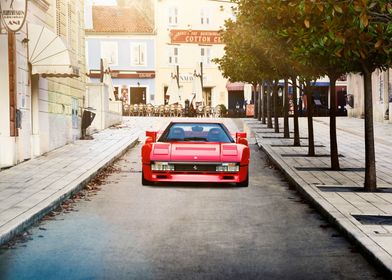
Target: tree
column 353, row 36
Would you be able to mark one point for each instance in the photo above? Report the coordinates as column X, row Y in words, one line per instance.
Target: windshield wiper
column 195, row 139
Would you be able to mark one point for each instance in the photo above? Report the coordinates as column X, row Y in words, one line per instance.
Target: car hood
column 185, row 152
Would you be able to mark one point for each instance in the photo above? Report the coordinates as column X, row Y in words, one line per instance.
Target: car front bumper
column 213, row 177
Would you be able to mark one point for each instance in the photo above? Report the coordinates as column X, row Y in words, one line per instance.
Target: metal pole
column 178, row 75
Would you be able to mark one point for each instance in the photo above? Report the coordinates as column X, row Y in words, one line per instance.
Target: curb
column 72, row 188
column 299, row 184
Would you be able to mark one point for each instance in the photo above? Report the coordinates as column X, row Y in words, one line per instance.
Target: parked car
column 195, row 151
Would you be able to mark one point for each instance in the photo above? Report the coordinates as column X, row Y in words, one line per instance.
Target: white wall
column 107, row 113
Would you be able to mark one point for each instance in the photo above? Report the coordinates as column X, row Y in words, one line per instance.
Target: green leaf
column 338, row 9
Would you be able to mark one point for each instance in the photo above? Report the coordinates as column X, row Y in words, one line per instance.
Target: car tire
column 244, row 183
column 145, row 182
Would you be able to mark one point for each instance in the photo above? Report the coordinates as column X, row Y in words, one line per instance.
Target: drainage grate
column 306, row 155
column 353, row 169
column 289, row 146
column 374, row 220
column 282, row 137
column 341, row 188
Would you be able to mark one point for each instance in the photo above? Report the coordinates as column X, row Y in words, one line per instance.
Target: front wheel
column 244, row 183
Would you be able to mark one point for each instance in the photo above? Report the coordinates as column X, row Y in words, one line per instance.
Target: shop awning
column 48, row 54
column 235, row 86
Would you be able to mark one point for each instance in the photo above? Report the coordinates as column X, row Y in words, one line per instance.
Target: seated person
column 176, row 133
column 215, row 135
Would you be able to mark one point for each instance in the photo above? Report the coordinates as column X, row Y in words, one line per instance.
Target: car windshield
column 203, row 132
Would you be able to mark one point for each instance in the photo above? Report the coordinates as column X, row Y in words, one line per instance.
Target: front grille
column 195, row 167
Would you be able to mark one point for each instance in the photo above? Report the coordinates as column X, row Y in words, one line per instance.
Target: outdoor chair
column 141, row 110
column 173, row 110
column 149, row 110
column 200, row 111
column 218, row 111
column 167, row 111
column 156, row 111
column 135, row 109
column 179, row 110
column 207, row 111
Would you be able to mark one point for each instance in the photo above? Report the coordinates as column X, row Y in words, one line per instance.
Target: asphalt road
column 127, row 231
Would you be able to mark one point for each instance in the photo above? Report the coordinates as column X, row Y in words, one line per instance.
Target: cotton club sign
column 13, row 14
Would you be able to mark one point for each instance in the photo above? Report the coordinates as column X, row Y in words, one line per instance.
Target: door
column 138, row 95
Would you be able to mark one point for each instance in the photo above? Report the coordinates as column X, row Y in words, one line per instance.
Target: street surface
column 127, row 231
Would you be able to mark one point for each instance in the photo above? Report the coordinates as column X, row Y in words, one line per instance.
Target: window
column 109, row 52
column 205, row 16
column 69, row 25
column 138, row 53
column 173, row 55
column 58, row 18
column 205, row 55
column 173, row 15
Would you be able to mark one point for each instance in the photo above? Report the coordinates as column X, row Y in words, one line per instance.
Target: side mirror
column 149, row 140
column 239, row 135
column 243, row 141
column 240, row 138
column 152, row 135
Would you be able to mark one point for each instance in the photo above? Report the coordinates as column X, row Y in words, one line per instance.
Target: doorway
column 138, row 95
column 207, row 95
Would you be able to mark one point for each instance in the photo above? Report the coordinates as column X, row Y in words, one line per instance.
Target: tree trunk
column 254, row 101
column 264, row 99
column 259, row 103
column 332, row 124
column 276, row 108
column 295, row 105
column 269, row 113
column 309, row 110
column 286, row 131
column 370, row 157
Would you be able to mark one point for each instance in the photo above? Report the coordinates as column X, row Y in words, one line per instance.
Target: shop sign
column 13, row 14
column 179, row 36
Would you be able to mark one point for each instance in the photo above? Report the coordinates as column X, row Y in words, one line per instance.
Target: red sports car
column 195, row 152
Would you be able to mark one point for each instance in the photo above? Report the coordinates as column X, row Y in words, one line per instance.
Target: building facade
column 187, row 40
column 123, row 36
column 42, row 82
column 382, row 95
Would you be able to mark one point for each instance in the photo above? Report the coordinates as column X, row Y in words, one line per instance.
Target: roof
column 116, row 19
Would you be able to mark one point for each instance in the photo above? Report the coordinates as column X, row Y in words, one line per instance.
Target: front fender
column 146, row 153
column 245, row 156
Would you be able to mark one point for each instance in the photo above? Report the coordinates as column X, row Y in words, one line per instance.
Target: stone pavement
column 366, row 218
column 30, row 190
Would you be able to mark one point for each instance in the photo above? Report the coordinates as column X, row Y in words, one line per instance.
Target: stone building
column 382, row 95
column 42, row 81
column 186, row 35
column 124, row 36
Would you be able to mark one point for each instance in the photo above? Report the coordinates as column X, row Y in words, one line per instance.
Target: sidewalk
column 366, row 218
column 30, row 190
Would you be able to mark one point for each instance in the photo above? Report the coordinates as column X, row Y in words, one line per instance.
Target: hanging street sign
column 13, row 14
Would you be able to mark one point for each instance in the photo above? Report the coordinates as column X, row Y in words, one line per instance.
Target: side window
column 173, row 15
column 138, row 54
column 205, row 17
column 173, row 55
column 205, row 55
column 109, row 52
